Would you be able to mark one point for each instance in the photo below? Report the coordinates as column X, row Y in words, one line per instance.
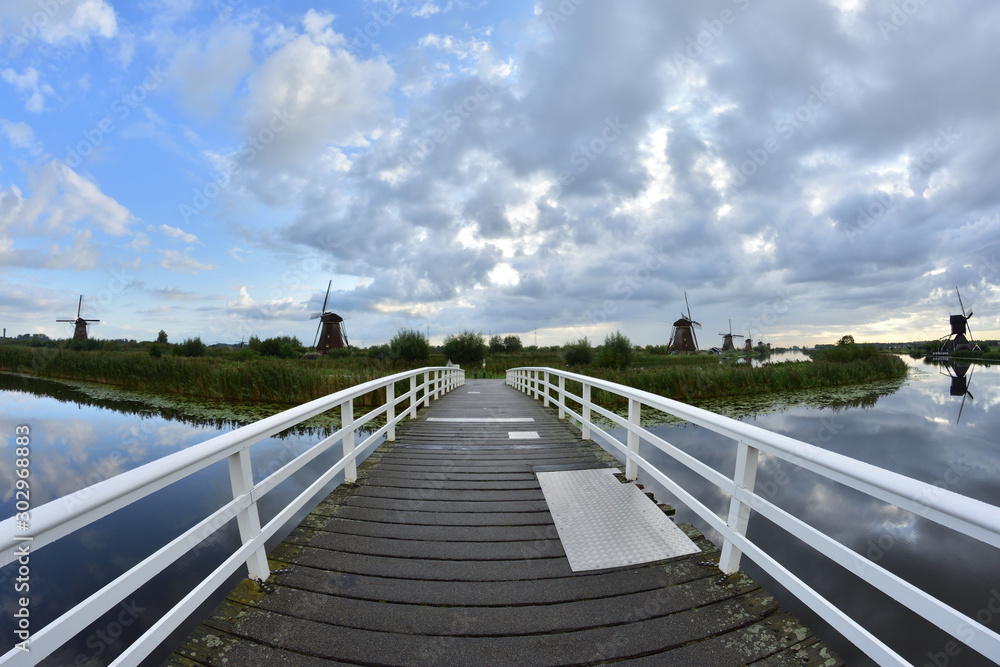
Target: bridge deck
column 445, row 553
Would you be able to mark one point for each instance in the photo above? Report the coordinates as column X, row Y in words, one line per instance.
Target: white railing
column 960, row 513
column 61, row 517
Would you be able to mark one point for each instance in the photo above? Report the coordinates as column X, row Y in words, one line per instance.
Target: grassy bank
column 261, row 380
column 696, row 383
column 294, row 381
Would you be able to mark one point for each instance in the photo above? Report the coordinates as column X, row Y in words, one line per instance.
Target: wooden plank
column 445, row 553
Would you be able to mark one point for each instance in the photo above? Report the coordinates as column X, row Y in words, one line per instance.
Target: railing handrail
column 952, row 510
column 67, row 514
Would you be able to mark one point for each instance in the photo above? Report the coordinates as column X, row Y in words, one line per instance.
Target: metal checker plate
column 603, row 523
column 522, row 435
column 483, row 420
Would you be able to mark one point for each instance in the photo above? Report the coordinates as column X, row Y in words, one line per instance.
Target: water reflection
column 80, row 437
column 912, row 431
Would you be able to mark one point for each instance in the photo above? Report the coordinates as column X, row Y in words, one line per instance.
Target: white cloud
column 245, row 305
column 209, row 64
column 20, row 135
column 177, row 233
column 29, row 82
column 179, row 262
column 90, row 18
column 307, row 96
column 428, row 9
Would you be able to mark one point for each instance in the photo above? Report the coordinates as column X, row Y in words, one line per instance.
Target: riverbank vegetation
column 266, row 371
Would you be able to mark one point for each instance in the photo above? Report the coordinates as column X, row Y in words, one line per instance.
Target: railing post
column 631, row 467
column 347, row 422
column 390, row 411
column 413, row 396
column 545, row 387
column 427, row 389
column 585, row 426
column 745, row 477
column 241, row 479
column 562, row 397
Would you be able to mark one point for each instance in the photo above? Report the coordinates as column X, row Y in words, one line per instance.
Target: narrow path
column 445, row 554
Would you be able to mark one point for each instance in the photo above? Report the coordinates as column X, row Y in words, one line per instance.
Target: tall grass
column 695, row 383
column 259, row 380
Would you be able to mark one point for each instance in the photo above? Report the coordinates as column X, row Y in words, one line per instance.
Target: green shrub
column 465, row 349
column 410, row 345
column 578, row 352
column 191, row 347
column 616, row 352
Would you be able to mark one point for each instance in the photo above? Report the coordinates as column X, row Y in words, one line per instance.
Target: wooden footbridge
column 486, row 528
column 445, row 553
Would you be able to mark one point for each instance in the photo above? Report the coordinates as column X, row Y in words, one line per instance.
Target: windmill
column 748, row 346
column 956, row 340
column 330, row 333
column 727, row 338
column 682, row 338
column 80, row 331
column 959, row 383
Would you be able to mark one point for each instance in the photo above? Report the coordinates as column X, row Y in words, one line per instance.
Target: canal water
column 82, row 434
column 941, row 426
column 923, row 427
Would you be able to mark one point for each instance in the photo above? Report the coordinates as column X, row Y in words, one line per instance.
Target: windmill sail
column 330, row 332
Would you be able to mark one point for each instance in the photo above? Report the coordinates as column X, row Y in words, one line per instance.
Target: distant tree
column 846, row 340
column 155, row 351
column 512, row 344
column 286, row 347
column 578, row 352
column 191, row 347
column 161, row 337
column 466, row 348
column 410, row 345
column 254, row 343
column 616, row 351
column 496, row 345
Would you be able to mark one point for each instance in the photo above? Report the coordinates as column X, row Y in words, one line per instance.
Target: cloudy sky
column 571, row 167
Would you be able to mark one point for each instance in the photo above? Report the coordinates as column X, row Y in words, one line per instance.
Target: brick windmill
column 682, row 338
column 957, row 340
column 331, row 332
column 80, row 331
column 727, row 338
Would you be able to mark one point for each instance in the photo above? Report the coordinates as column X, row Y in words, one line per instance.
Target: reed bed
column 696, row 383
column 261, row 380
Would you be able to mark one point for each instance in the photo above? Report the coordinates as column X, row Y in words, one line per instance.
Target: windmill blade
column 961, row 407
column 327, row 295
column 686, row 304
column 316, row 337
column 697, row 324
column 960, row 302
column 79, row 305
column 738, row 336
column 315, row 315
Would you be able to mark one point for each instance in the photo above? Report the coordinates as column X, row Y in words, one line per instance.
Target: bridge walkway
column 445, row 553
